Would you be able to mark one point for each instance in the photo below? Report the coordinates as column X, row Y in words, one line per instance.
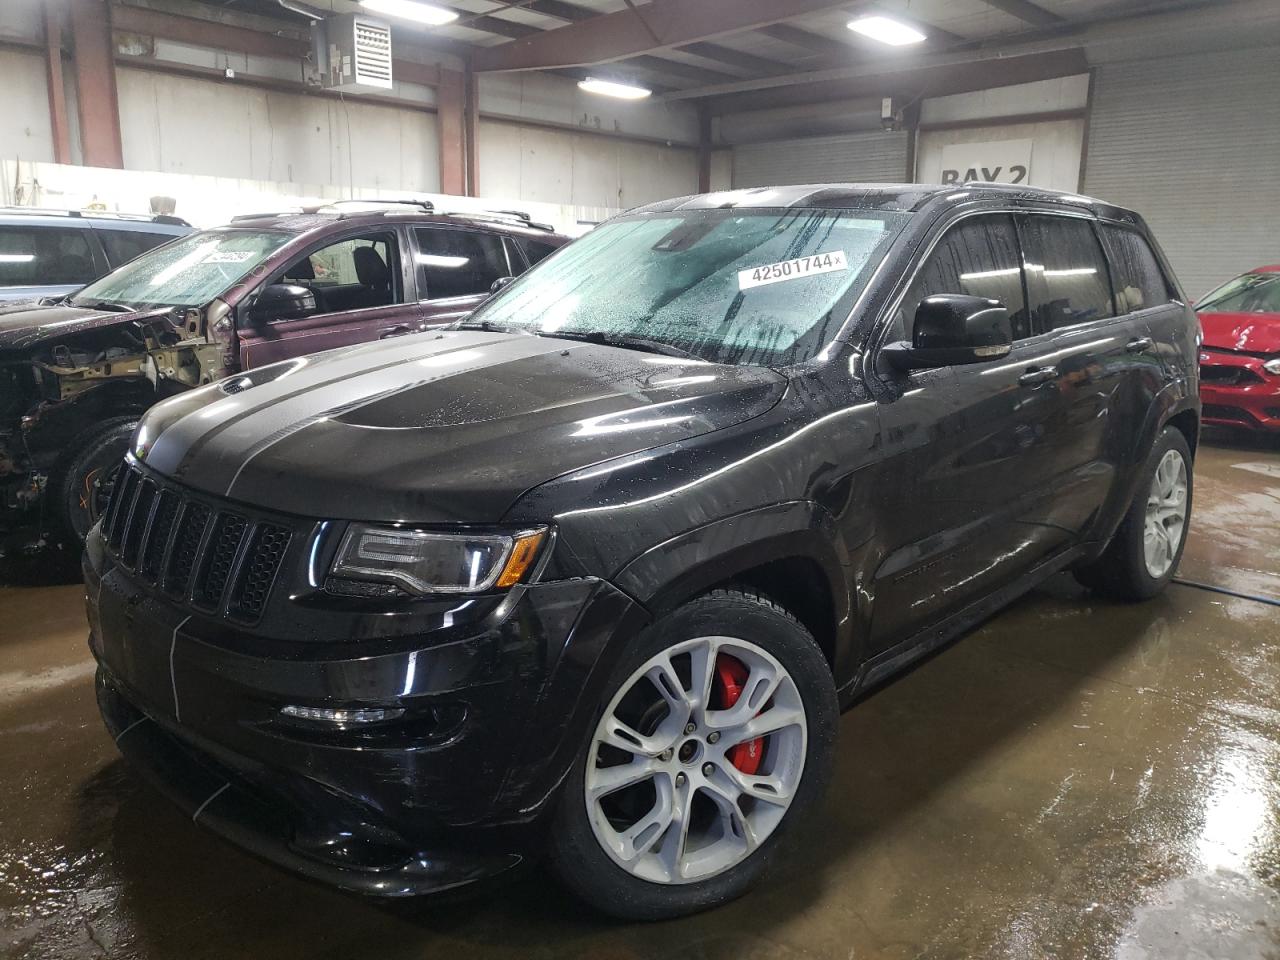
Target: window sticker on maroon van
column 792, row 269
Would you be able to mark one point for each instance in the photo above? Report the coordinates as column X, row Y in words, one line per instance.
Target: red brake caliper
column 731, row 674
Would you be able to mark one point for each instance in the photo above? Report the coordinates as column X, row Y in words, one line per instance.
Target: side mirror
column 951, row 329
column 282, row 301
column 499, row 284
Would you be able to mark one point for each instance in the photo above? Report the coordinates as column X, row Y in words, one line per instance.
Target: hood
column 439, row 427
column 28, row 324
column 1242, row 332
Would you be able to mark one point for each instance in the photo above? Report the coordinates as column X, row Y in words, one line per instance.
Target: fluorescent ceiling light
column 610, row 89
column 435, row 260
column 17, row 257
column 886, row 30
column 411, row 10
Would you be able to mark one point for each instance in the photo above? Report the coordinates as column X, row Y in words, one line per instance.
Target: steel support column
column 53, row 77
column 95, row 75
column 451, row 108
column 704, row 148
column 471, row 132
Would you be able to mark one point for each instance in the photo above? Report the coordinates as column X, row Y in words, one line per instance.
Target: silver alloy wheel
column 1166, row 520
column 664, row 798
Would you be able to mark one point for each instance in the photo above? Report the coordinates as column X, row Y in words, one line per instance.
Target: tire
column 80, row 486
column 1123, row 571
column 782, row 678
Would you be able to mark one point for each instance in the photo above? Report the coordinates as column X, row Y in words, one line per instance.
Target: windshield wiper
column 622, row 340
column 102, row 305
column 484, row 325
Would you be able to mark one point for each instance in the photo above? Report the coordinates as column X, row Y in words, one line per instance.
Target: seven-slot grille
column 216, row 559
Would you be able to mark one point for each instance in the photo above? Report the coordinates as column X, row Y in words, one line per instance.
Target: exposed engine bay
column 57, row 390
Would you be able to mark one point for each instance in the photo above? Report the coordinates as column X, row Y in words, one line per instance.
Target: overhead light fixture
column 609, row 88
column 414, row 10
column 887, row 30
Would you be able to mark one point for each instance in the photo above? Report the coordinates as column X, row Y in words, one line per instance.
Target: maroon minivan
column 77, row 372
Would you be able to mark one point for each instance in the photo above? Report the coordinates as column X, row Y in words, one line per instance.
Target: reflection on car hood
column 24, row 325
column 1245, row 332
column 437, row 427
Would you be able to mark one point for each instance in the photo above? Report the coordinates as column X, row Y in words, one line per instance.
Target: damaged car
column 77, row 372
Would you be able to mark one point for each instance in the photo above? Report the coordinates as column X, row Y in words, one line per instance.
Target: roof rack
column 500, row 216
column 96, row 215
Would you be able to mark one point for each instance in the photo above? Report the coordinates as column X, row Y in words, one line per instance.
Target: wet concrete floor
column 1073, row 779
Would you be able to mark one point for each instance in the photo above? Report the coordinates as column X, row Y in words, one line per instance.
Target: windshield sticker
column 229, row 256
column 792, row 269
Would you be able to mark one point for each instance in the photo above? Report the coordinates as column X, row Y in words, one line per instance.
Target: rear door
column 1095, row 356
column 457, row 267
column 121, row 245
column 967, row 448
column 360, row 285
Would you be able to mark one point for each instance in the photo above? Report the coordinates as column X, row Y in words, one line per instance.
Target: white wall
column 25, row 131
column 187, row 125
column 584, row 170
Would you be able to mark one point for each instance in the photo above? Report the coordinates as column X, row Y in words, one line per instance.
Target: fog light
column 342, row 717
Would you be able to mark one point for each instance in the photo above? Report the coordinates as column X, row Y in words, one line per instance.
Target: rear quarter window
column 535, row 250
column 1135, row 272
column 123, row 245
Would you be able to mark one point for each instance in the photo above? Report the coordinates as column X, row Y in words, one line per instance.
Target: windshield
column 1251, row 293
column 185, row 273
column 759, row 287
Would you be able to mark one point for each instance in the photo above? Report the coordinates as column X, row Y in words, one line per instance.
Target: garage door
column 1193, row 144
column 848, row 158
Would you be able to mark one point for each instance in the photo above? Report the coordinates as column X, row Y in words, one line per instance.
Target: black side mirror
column 499, row 284
column 951, row 329
column 282, row 301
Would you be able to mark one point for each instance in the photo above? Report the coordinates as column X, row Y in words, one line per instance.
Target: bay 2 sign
column 996, row 161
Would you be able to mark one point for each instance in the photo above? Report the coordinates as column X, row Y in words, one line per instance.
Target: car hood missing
column 441, row 427
column 26, row 325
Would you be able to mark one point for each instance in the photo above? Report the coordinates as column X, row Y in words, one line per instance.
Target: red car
column 1240, row 356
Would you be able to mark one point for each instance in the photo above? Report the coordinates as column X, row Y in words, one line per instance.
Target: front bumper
column 1235, row 390
column 452, row 792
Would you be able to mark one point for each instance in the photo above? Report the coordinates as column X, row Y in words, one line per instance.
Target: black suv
column 593, row 571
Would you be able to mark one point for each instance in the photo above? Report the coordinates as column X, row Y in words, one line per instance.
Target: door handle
column 1138, row 345
column 1038, row 375
column 399, row 331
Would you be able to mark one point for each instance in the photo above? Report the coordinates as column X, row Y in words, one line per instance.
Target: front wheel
column 79, row 490
column 716, row 732
column 1146, row 549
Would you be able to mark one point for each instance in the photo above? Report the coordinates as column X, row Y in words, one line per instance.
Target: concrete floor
column 1073, row 779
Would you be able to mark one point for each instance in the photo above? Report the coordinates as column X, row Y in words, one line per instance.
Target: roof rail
column 501, row 216
column 425, row 205
column 95, row 215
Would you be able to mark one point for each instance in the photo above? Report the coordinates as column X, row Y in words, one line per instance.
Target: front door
column 359, row 289
column 966, row 448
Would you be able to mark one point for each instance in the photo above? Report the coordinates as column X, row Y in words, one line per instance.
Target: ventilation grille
column 214, row 559
column 373, row 54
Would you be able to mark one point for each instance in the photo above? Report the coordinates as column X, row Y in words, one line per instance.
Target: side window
column 353, row 274
column 123, row 245
column 1135, row 272
column 39, row 256
column 979, row 256
column 535, row 250
column 1067, row 277
column 459, row 263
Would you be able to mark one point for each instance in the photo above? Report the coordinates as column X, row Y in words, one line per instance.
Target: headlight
column 423, row 562
column 1272, row 366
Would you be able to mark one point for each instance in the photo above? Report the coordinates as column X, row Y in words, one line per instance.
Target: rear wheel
column 79, row 490
column 1146, row 549
column 716, row 732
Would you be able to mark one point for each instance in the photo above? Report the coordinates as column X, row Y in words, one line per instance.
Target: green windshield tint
column 751, row 287
column 188, row 272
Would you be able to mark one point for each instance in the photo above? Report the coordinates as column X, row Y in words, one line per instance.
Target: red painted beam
column 451, row 105
column 95, row 75
column 654, row 26
column 57, row 91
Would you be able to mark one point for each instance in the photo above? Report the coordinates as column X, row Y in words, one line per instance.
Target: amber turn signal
column 523, row 552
